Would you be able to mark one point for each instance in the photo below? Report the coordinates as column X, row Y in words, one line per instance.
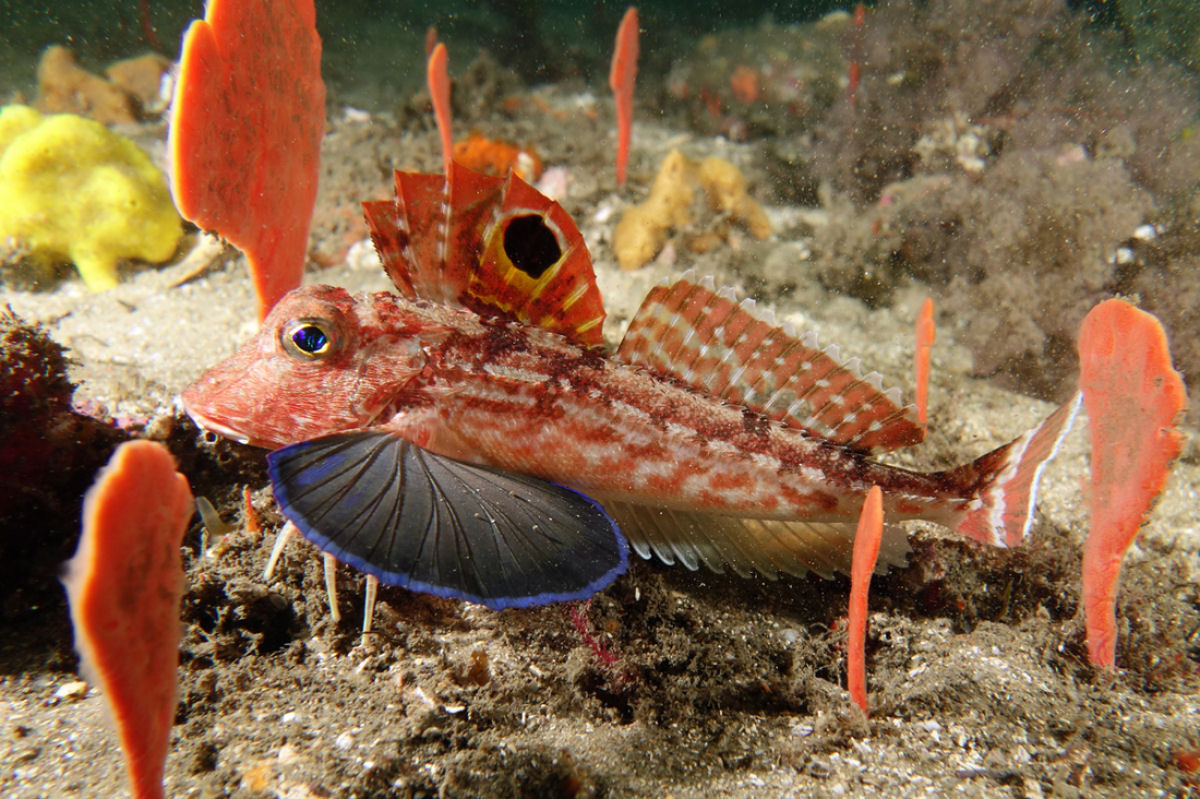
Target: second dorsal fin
column 717, row 345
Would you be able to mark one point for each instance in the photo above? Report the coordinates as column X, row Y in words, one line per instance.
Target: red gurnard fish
column 471, row 437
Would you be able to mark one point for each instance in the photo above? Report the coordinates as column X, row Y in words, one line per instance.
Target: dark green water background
column 542, row 41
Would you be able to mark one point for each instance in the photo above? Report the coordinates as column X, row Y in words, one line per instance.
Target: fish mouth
column 208, row 425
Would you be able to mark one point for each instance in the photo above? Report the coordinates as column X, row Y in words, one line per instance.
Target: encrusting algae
column 644, row 228
column 71, row 189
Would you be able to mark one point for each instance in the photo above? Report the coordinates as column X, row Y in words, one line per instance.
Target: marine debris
column 71, row 189
column 245, row 134
column 125, row 584
column 672, row 205
column 621, row 80
column 1133, row 398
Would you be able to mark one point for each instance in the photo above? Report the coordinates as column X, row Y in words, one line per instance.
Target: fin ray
column 747, row 545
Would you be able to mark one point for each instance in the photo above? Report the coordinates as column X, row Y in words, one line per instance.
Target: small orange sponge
column 495, row 157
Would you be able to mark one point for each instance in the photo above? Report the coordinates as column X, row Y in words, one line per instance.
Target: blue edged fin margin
column 438, row 525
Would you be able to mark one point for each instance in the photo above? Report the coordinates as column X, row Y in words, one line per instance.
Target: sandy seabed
column 977, row 671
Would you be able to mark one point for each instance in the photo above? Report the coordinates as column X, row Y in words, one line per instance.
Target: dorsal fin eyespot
column 495, row 245
column 530, row 244
column 734, row 351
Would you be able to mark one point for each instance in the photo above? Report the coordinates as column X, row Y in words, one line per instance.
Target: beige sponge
column 644, row 228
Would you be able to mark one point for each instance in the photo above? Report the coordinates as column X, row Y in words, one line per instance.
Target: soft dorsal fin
column 717, row 345
column 495, row 245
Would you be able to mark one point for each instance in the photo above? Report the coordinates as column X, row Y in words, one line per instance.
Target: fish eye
column 309, row 339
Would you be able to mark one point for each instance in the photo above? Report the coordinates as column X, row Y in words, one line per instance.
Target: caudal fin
column 1004, row 482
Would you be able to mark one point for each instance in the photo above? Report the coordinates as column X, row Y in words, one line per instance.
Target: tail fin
column 1004, row 482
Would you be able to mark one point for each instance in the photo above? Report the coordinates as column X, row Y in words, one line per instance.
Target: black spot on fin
column 435, row 524
column 531, row 245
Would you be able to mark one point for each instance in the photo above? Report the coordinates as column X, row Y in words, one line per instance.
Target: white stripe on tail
column 1005, row 481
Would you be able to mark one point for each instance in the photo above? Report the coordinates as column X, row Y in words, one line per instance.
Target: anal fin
column 747, row 545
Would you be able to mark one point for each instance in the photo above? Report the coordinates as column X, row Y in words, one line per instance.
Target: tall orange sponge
column 245, row 135
column 926, row 331
column 1132, row 396
column 621, row 78
column 124, row 585
column 867, row 539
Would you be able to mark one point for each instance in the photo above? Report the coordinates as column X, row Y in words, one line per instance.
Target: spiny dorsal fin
column 497, row 246
column 719, row 346
column 536, row 268
column 391, row 233
column 431, row 235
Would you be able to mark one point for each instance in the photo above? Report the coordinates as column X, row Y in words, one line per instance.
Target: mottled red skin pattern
column 505, row 394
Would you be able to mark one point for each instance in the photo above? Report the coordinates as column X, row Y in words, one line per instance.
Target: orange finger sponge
column 124, row 585
column 1133, row 397
column 926, row 334
column 245, row 135
column 437, row 76
column 621, row 78
column 862, row 565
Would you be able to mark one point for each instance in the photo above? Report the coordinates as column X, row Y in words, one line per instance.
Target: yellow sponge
column 71, row 189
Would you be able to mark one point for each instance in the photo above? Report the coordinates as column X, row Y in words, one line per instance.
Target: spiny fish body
column 709, row 437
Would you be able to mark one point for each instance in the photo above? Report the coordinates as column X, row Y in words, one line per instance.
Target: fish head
column 323, row 362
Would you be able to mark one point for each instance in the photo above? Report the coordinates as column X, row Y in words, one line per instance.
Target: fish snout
column 204, row 401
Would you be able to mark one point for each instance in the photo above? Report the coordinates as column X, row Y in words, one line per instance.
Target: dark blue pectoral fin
column 435, row 524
